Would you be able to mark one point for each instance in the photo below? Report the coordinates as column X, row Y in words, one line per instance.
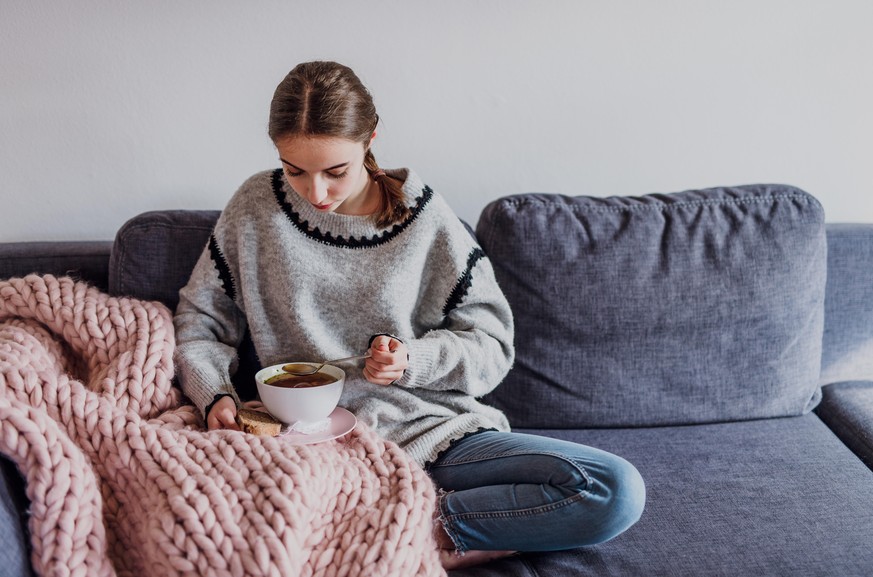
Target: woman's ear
column 372, row 138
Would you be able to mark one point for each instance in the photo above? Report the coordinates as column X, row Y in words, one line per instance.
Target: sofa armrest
column 83, row 260
column 847, row 348
column 14, row 540
column 847, row 409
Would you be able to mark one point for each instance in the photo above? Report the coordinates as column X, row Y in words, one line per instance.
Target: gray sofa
column 721, row 340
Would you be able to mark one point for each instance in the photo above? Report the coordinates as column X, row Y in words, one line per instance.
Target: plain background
column 111, row 108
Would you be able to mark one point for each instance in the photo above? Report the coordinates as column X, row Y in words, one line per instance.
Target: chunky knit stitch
column 311, row 285
column 123, row 480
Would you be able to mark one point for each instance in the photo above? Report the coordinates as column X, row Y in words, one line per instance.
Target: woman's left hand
column 388, row 360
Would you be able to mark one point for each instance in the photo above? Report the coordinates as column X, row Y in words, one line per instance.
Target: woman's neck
column 365, row 203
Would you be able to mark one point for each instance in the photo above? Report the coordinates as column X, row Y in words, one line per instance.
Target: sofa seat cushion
column 847, row 408
column 768, row 497
column 664, row 309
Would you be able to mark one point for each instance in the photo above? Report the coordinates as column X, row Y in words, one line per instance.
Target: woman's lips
column 323, row 206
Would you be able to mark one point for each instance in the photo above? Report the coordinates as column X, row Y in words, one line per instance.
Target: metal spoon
column 304, row 369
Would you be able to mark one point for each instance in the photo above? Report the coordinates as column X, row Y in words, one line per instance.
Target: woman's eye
column 337, row 176
column 292, row 174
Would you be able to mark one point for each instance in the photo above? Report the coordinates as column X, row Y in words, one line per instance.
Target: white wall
column 109, row 108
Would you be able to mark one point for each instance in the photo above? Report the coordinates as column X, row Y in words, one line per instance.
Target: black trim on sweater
column 465, row 281
column 223, row 268
column 340, row 241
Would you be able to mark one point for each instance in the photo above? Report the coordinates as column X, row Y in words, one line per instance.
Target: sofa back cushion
column 155, row 252
column 692, row 307
column 152, row 258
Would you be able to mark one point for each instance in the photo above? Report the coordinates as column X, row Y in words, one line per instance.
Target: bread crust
column 258, row 423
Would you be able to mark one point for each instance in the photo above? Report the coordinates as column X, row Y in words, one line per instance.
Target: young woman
column 330, row 256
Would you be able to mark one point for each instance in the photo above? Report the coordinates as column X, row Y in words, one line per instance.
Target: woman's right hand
column 222, row 415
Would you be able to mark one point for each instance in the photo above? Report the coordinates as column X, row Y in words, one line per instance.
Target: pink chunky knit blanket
column 124, row 480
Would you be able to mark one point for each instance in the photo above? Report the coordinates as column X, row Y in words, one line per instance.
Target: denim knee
column 619, row 493
column 512, row 491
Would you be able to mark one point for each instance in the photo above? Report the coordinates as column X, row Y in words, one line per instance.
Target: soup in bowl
column 292, row 398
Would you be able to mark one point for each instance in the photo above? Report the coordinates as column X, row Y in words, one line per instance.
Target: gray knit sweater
column 312, row 285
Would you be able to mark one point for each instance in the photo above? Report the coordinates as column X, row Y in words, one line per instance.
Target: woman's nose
column 317, row 191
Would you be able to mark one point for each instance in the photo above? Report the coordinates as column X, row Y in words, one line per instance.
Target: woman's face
column 329, row 173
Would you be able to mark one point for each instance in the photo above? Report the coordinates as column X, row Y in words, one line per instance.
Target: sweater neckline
column 343, row 230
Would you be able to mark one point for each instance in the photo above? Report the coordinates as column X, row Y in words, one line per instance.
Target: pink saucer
column 341, row 423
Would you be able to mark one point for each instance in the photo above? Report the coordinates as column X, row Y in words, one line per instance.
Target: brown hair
column 328, row 99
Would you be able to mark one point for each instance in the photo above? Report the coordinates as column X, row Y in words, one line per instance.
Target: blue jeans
column 518, row 492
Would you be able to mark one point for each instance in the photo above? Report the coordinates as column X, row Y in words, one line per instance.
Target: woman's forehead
column 318, row 152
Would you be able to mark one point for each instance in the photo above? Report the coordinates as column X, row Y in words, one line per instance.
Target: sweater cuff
column 199, row 385
column 373, row 338
column 424, row 356
column 215, row 399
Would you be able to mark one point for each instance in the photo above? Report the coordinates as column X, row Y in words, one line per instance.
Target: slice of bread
column 258, row 423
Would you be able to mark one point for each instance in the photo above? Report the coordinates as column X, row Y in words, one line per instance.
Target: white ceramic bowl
column 307, row 404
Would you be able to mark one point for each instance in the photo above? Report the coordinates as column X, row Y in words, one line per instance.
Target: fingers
column 388, row 351
column 227, row 419
column 223, row 415
column 382, row 343
column 388, row 360
column 381, row 377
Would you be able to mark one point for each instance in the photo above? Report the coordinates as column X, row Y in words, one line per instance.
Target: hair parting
column 328, row 99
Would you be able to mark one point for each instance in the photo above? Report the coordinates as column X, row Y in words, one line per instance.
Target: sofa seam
column 662, row 206
column 529, row 567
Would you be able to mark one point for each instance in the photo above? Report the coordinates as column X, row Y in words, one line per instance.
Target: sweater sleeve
column 473, row 349
column 209, row 327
